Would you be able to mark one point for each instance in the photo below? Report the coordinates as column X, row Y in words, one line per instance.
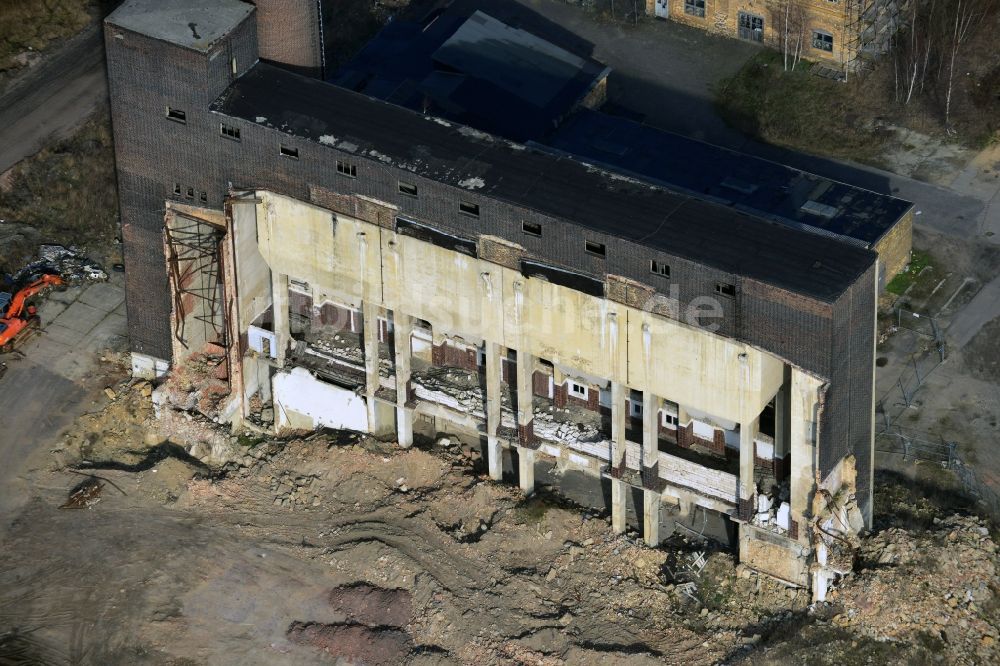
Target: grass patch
column 919, row 260
column 31, row 25
column 798, row 110
column 65, row 194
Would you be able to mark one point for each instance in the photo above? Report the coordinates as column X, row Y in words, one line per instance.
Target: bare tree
column 792, row 36
column 968, row 13
column 928, row 50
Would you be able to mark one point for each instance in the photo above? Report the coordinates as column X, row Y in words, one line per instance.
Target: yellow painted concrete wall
column 804, row 398
column 298, row 240
column 459, row 293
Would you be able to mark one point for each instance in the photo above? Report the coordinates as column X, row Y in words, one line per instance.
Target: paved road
column 55, row 376
column 53, row 98
column 982, row 309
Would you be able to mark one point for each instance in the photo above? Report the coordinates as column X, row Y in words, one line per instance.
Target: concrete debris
column 68, row 263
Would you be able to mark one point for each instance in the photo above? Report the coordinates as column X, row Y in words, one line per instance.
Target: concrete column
column 525, row 370
column 650, row 428
column 526, row 470
column 618, row 488
column 492, row 405
column 748, row 429
column 651, row 517
column 525, row 415
column 803, row 410
column 369, row 326
column 618, row 393
column 403, row 330
column 279, row 300
column 618, row 415
column 782, row 416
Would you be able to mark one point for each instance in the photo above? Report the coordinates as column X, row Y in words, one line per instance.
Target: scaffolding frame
column 191, row 251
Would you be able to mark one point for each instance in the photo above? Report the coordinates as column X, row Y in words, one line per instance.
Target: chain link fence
column 914, row 446
column 930, row 351
column 891, row 438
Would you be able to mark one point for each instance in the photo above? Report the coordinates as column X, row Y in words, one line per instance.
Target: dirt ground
column 957, row 400
column 339, row 548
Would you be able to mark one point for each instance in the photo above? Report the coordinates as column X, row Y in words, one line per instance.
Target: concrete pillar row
column 492, row 405
column 279, row 307
column 403, row 347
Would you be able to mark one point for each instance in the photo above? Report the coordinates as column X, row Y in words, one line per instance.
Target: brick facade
column 540, row 383
column 455, row 356
column 722, row 18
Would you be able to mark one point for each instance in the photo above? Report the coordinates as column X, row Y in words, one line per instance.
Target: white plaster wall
column 256, row 337
column 303, row 402
column 254, row 295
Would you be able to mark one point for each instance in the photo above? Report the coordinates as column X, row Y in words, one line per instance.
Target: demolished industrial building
column 323, row 258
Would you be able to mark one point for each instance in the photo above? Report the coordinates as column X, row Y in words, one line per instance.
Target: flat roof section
column 749, row 183
column 559, row 186
column 193, row 24
column 468, row 66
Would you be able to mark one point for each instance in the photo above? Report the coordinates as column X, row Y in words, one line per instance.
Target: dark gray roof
column 194, row 24
column 562, row 187
column 756, row 185
column 466, row 65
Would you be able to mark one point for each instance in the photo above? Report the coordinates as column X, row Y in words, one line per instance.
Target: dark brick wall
column 540, row 383
column 153, row 153
column 593, row 401
column 847, row 416
column 333, row 317
column 447, row 354
column 289, row 34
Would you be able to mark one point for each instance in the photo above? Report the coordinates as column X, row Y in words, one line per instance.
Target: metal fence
column 916, row 446
column 913, row 445
column 978, row 489
column 929, row 352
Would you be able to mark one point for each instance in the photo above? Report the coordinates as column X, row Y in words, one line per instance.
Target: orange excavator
column 20, row 316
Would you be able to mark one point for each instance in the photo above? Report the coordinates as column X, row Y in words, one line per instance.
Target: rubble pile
column 548, row 427
column 198, row 384
column 454, row 388
column 941, row 584
column 68, row 263
column 563, row 574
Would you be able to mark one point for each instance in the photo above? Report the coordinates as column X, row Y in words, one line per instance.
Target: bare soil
column 339, row 547
column 66, row 194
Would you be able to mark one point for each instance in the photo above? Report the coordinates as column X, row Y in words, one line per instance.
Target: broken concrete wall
column 303, row 402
